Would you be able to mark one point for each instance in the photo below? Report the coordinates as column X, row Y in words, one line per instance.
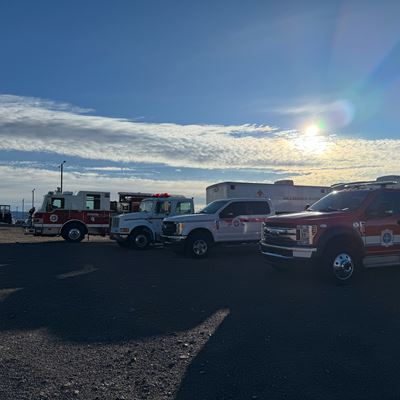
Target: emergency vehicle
column 72, row 215
column 284, row 194
column 355, row 227
column 129, row 201
column 222, row 221
column 5, row 213
column 137, row 230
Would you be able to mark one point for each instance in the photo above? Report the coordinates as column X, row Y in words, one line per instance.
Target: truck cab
column 347, row 230
column 138, row 230
column 222, row 221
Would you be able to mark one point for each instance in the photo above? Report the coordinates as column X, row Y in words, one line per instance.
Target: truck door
column 382, row 224
column 162, row 210
column 256, row 212
column 229, row 227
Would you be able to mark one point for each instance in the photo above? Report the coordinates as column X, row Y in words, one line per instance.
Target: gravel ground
column 94, row 321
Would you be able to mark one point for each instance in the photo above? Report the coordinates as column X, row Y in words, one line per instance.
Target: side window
column 92, row 202
column 385, row 204
column 258, row 208
column 163, row 207
column 233, row 210
column 183, row 207
column 57, row 203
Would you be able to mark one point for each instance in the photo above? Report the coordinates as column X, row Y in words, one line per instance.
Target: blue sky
column 151, row 94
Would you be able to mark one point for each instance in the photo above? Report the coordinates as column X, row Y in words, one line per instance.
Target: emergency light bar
column 356, row 185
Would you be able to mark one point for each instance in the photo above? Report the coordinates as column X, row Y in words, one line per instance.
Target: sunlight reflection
column 311, row 140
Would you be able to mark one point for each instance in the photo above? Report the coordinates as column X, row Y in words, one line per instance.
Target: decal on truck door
column 53, row 218
column 387, row 238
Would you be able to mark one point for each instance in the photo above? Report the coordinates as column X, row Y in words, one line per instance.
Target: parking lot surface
column 94, row 321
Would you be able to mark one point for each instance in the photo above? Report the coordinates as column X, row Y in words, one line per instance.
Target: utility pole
column 23, row 207
column 61, row 166
column 33, row 197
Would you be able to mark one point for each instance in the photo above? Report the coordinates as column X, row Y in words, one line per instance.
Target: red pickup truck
column 347, row 230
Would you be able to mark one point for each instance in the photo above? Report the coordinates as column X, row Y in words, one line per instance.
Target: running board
column 381, row 261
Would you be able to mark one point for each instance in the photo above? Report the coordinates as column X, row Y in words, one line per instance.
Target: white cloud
column 35, row 125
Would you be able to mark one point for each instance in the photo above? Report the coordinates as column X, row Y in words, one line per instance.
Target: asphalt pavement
column 95, row 321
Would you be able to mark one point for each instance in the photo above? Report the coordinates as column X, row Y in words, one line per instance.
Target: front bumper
column 174, row 241
column 119, row 237
column 283, row 254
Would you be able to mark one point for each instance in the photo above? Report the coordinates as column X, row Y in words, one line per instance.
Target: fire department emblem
column 235, row 223
column 53, row 218
column 387, row 238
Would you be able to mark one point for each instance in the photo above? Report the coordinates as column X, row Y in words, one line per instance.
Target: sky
column 172, row 96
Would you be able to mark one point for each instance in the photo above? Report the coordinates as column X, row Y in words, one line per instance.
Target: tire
column 73, row 233
column 139, row 240
column 198, row 245
column 341, row 264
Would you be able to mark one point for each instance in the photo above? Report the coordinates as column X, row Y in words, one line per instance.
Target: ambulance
column 284, row 194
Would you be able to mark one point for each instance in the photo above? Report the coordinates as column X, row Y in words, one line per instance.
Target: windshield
column 340, row 201
column 213, row 207
column 44, row 204
column 146, row 206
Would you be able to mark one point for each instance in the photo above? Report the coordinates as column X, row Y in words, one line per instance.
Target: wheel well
column 344, row 240
column 202, row 231
column 144, row 229
column 80, row 223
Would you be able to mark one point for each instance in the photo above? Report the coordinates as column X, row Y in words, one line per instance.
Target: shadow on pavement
column 286, row 335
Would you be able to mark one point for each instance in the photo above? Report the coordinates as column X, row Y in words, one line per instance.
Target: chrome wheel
column 141, row 240
column 200, row 247
column 74, row 234
column 343, row 266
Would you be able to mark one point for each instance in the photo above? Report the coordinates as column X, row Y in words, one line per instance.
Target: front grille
column 115, row 222
column 279, row 236
column 169, row 228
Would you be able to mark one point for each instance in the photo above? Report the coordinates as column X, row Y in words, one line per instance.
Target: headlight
column 306, row 234
column 263, row 231
column 124, row 230
column 179, row 228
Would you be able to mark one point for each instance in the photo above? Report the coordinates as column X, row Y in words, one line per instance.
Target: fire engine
column 351, row 228
column 129, row 201
column 72, row 215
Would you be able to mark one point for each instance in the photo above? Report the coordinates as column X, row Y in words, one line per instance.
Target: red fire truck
column 72, row 215
column 354, row 227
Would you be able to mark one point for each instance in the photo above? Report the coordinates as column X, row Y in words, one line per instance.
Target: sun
column 311, row 140
column 312, row 130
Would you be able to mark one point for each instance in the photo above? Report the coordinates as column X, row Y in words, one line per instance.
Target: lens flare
column 312, row 130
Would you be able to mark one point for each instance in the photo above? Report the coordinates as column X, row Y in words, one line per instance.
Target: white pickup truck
column 138, row 229
column 222, row 221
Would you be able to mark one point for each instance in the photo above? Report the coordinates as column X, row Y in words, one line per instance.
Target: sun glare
column 312, row 130
column 311, row 140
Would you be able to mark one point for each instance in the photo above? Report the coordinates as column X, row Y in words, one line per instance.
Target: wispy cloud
column 42, row 126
